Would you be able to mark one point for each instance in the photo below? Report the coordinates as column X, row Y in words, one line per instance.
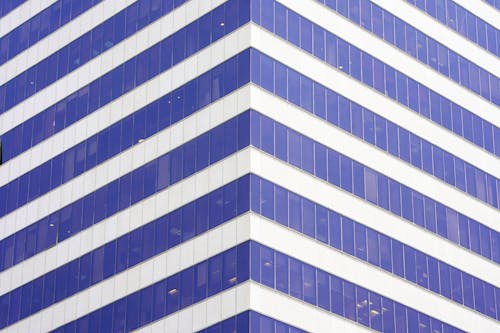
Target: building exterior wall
column 249, row 166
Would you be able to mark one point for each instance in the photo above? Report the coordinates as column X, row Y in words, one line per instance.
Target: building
column 250, row 166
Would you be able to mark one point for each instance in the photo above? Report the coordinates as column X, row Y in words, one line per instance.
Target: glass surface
column 123, row 78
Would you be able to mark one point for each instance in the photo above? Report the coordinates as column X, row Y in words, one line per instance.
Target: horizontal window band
column 353, row 238
column 279, row 141
column 87, row 47
column 253, row 322
column 418, row 45
column 276, row 78
column 41, row 25
column 386, row 80
column 373, row 129
column 9, row 5
column 431, row 105
column 131, row 249
column 267, row 266
column 148, row 64
column 162, row 172
column 463, row 22
column 128, row 132
column 194, row 284
column 71, row 57
column 302, row 152
column 275, row 203
column 331, row 293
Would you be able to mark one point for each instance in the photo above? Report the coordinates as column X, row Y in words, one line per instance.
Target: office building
column 250, row 166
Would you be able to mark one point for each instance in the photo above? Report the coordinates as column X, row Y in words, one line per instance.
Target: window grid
column 151, row 178
column 462, row 21
column 373, row 129
column 41, row 25
column 355, row 239
column 349, row 175
column 374, row 73
column 421, row 47
column 131, row 249
column 228, row 202
column 306, row 283
column 331, row 293
column 7, row 6
column 141, row 68
column 128, row 132
column 93, row 43
column 190, row 286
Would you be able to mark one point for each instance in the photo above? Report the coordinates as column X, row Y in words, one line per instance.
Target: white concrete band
column 253, row 296
column 481, row 10
column 441, row 33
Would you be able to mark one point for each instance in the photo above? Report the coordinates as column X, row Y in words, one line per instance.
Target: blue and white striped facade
column 250, row 166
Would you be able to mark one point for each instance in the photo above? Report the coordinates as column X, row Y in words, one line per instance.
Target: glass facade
column 9, row 5
column 163, row 172
column 269, row 268
column 353, row 238
column 351, row 176
column 234, row 199
column 142, row 124
column 373, row 129
column 420, row 46
column 462, row 21
column 363, row 67
column 251, row 321
column 40, row 26
column 187, row 175
column 210, row 277
column 137, row 70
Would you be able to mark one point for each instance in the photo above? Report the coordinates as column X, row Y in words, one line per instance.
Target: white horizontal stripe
column 482, row 10
column 125, row 105
column 366, row 41
column 138, row 155
column 22, row 14
column 95, row 68
column 61, row 37
column 145, row 211
column 145, row 274
column 440, row 32
column 372, row 216
column 321, row 256
column 253, row 296
column 376, row 159
column 372, row 100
